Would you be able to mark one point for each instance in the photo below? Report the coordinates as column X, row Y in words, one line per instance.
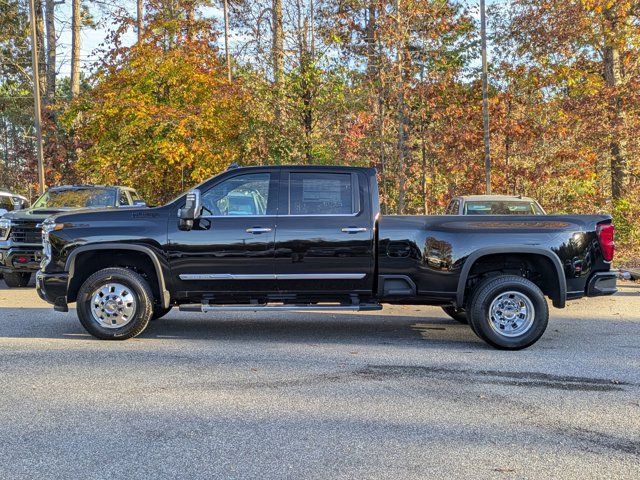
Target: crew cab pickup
column 312, row 238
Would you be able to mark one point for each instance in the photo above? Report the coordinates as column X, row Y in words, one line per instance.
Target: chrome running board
column 278, row 307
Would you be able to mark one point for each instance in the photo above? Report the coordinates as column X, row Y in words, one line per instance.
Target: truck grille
column 25, row 232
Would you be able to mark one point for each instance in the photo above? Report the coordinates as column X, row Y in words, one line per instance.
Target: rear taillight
column 605, row 238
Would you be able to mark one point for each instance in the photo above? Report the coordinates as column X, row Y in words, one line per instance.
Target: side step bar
column 278, row 308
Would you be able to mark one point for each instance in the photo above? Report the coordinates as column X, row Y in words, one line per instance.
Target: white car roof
column 9, row 194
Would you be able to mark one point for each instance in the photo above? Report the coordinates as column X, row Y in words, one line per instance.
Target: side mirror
column 139, row 203
column 191, row 210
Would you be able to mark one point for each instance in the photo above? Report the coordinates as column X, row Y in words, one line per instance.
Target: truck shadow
column 286, row 327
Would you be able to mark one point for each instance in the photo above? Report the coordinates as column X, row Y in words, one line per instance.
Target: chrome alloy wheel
column 113, row 305
column 511, row 314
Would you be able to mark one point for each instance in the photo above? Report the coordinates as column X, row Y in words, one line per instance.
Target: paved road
column 404, row 393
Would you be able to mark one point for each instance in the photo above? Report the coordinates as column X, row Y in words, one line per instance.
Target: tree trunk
column 370, row 39
column 401, row 119
column 227, row 54
column 139, row 16
column 42, row 59
column 51, row 51
column 613, row 78
column 307, row 92
column 75, row 48
column 278, row 56
column 423, row 149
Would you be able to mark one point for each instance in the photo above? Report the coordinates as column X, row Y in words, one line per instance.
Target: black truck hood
column 89, row 215
column 39, row 214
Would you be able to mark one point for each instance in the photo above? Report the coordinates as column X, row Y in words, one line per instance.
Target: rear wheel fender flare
column 559, row 300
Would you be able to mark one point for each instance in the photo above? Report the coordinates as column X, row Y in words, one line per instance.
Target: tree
column 139, row 18
column 277, row 52
column 143, row 125
column 76, row 24
column 51, row 51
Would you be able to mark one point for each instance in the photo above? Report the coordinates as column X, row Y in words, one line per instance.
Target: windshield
column 502, row 207
column 77, row 198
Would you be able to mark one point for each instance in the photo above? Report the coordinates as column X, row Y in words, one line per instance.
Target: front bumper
column 20, row 259
column 52, row 288
column 602, row 283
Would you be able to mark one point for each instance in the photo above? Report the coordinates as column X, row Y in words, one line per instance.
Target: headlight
column 49, row 226
column 5, row 228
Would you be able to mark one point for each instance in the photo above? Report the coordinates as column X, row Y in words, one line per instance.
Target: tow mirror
column 191, row 211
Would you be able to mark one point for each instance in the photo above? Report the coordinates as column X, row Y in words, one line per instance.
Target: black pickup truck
column 21, row 232
column 312, row 238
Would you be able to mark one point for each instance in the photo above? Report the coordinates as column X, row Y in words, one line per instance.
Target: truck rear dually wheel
column 115, row 304
column 508, row 312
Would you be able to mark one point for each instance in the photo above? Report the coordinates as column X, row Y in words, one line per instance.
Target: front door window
column 243, row 195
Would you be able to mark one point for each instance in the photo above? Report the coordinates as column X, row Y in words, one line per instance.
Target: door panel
column 231, row 247
column 325, row 243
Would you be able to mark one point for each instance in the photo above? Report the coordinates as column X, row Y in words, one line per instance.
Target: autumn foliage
column 361, row 82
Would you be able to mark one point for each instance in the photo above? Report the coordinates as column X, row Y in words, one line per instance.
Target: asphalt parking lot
column 403, row 393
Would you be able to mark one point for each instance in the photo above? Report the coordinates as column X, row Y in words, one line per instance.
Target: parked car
column 314, row 239
column 21, row 233
column 493, row 205
column 11, row 201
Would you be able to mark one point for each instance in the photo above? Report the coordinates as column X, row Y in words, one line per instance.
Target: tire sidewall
column 17, row 279
column 479, row 312
column 139, row 290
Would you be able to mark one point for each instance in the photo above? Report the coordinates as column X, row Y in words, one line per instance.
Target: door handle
column 258, row 230
column 354, row 229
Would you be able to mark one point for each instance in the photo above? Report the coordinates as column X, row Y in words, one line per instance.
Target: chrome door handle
column 258, row 230
column 354, row 229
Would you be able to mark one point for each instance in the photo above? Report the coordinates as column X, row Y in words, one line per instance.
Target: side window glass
column 456, row 208
column 124, row 199
column 240, row 195
column 320, row 194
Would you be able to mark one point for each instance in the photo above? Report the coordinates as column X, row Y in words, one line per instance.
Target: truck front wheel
column 115, row 304
column 508, row 312
column 17, row 279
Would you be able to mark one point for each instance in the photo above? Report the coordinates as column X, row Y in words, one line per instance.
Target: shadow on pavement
column 289, row 327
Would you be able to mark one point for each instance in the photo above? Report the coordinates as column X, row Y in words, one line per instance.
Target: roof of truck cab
column 489, row 198
column 85, row 187
column 298, row 167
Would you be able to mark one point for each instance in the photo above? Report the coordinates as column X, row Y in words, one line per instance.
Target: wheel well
column 535, row 267
column 88, row 263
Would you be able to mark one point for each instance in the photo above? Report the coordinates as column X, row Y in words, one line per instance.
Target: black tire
column 139, row 289
column 159, row 312
column 458, row 314
column 17, row 279
column 491, row 289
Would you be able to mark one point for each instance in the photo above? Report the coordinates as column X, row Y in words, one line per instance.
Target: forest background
column 173, row 91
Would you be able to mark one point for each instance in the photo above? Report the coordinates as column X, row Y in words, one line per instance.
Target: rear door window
column 312, row 193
